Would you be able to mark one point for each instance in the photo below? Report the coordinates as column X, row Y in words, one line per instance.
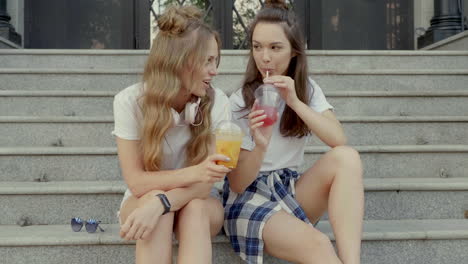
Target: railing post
column 7, row 31
column 448, row 20
column 222, row 21
column 313, row 23
column 142, row 24
column 307, row 18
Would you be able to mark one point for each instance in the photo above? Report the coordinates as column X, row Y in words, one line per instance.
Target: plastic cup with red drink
column 268, row 100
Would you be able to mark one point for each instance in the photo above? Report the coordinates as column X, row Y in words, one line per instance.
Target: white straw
column 267, row 73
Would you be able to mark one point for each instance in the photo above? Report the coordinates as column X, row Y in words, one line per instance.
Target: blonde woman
column 163, row 129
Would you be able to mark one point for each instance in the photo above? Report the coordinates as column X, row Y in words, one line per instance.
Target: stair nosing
column 33, row 151
column 47, row 235
column 56, row 119
column 78, row 93
column 54, row 151
column 398, row 149
column 344, row 119
column 119, row 187
column 232, row 71
column 227, row 52
column 453, row 93
column 56, row 93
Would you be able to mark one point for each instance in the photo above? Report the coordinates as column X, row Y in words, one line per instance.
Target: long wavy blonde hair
column 181, row 42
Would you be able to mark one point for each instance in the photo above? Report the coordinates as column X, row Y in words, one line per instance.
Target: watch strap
column 165, row 202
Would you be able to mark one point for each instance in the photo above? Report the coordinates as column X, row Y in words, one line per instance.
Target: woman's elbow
column 342, row 141
column 237, row 189
column 339, row 141
column 136, row 190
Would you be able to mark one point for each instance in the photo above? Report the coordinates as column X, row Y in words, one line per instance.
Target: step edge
column 230, row 52
column 119, row 187
column 344, row 119
column 232, row 71
column 397, row 149
column 114, row 239
column 18, row 151
column 390, row 94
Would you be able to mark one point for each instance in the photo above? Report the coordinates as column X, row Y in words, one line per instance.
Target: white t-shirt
column 128, row 121
column 282, row 152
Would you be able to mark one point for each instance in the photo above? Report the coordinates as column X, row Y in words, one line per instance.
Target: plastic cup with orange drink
column 269, row 101
column 228, row 142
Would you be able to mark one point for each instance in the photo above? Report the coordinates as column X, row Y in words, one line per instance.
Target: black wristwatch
column 165, row 202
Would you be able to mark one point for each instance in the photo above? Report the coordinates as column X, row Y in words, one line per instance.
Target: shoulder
column 236, row 99
column 221, row 101
column 312, row 84
column 219, row 96
column 129, row 95
column 317, row 100
column 314, row 88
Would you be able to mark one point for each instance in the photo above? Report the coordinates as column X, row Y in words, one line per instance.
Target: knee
column 317, row 243
column 346, row 155
column 193, row 212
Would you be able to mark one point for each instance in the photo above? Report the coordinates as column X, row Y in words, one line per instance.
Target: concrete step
column 57, row 164
column 418, row 198
column 56, row 103
column 406, row 130
column 371, row 103
column 30, row 131
column 405, row 161
column 57, row 131
column 237, row 59
column 230, row 80
column 95, row 163
column 383, row 242
column 399, row 103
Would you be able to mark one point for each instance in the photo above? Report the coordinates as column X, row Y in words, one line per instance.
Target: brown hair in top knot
column 175, row 20
column 281, row 4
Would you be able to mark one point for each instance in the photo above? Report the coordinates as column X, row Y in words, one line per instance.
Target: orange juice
column 230, row 148
column 228, row 142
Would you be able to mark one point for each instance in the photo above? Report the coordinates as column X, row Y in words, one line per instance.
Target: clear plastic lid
column 265, row 88
column 227, row 127
column 268, row 94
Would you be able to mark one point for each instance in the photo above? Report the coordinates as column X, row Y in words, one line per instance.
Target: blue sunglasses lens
column 91, row 225
column 76, row 224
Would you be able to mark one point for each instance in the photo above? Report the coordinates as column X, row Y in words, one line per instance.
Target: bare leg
column 335, row 182
column 288, row 238
column 159, row 245
column 196, row 223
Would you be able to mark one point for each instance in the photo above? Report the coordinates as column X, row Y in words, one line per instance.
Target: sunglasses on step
column 91, row 225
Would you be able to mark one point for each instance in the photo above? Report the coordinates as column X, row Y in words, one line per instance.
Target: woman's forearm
column 247, row 169
column 146, row 181
column 179, row 197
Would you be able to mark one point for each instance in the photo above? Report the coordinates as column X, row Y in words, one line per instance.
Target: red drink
column 271, row 114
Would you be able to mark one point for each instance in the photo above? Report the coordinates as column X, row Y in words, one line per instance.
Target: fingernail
column 227, row 159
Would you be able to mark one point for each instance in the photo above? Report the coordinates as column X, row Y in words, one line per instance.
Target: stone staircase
column 406, row 112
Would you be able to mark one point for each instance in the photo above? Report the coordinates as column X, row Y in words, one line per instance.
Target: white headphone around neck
column 191, row 111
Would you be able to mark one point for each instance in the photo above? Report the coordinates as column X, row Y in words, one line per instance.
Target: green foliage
column 246, row 9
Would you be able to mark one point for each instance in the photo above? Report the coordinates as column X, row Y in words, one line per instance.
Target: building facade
column 125, row 24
